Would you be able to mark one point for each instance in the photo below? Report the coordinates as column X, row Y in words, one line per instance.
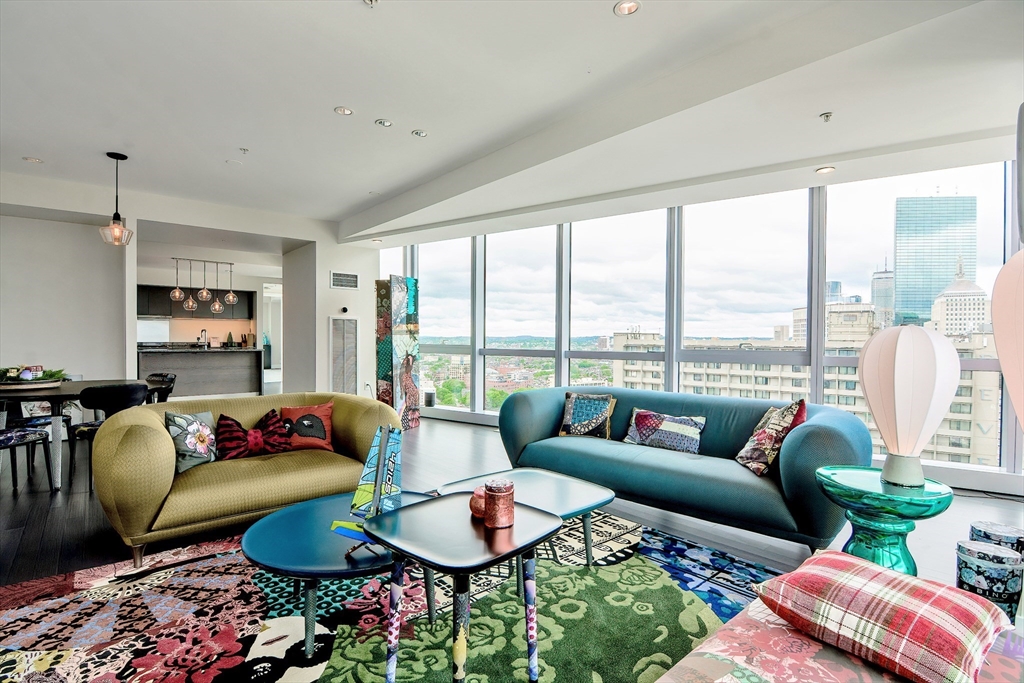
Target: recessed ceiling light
column 232, row 162
column 32, row 160
column 377, row 241
column 825, row 169
column 624, row 8
column 344, row 111
column 383, row 123
column 420, row 133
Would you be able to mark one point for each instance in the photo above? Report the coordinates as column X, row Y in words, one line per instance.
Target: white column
column 131, row 284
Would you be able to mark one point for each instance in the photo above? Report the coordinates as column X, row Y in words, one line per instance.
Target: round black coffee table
column 297, row 542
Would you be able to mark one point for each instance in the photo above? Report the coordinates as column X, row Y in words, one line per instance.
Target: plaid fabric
column 923, row 630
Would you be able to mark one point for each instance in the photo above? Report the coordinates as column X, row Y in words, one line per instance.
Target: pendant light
column 204, row 293
column 231, row 298
column 116, row 233
column 217, row 306
column 176, row 293
column 190, row 303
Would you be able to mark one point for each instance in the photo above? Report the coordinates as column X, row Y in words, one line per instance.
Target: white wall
column 299, row 308
column 62, row 298
column 360, row 303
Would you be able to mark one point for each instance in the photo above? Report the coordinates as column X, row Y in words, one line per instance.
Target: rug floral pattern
column 203, row 613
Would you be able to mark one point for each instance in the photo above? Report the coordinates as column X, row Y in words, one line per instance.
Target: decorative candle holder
column 499, row 503
column 476, row 503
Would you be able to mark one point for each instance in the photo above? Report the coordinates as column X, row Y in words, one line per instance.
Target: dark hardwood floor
column 44, row 533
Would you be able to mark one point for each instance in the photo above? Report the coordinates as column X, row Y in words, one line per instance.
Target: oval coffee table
column 297, row 542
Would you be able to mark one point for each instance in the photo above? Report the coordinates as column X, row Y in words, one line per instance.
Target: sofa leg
column 137, row 551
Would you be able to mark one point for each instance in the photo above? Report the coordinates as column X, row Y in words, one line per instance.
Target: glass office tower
column 932, row 233
column 883, row 296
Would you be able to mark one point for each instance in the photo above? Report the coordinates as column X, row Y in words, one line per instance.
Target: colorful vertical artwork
column 380, row 485
column 398, row 347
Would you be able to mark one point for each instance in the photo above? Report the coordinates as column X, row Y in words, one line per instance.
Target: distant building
column 961, row 308
column 833, row 291
column 781, row 333
column 932, row 234
column 638, row 374
column 800, row 324
column 883, row 297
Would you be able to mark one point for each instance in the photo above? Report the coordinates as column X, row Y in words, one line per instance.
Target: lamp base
column 903, row 470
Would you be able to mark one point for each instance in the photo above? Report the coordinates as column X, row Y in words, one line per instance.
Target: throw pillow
column 267, row 436
column 309, row 426
column 194, row 440
column 764, row 444
column 648, row 428
column 922, row 630
column 587, row 415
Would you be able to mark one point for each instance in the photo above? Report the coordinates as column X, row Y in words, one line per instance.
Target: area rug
column 203, row 613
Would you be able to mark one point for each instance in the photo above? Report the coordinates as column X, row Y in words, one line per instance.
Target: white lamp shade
column 1008, row 328
column 909, row 376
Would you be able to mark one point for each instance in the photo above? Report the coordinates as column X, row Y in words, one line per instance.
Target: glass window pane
column 745, row 272
column 447, row 375
column 588, row 372
column 520, row 283
column 618, row 278
column 391, row 262
column 506, row 375
column 739, row 380
column 920, row 249
column 444, row 292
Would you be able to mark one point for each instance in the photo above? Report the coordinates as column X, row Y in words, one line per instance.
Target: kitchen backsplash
column 183, row 330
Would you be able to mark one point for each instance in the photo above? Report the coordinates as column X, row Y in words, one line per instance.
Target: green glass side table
column 881, row 514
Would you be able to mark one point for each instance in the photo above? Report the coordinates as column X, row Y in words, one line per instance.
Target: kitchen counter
column 206, row 372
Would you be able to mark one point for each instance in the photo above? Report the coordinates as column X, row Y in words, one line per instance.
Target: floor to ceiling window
column 445, row 321
column 391, row 262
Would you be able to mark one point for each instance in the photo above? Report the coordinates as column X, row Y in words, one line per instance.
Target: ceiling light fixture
column 217, row 307
column 344, row 111
column 115, row 233
column 383, row 123
column 232, row 162
column 32, row 160
column 825, row 116
column 204, row 294
column 377, row 241
column 231, row 298
column 176, row 293
column 824, row 170
column 624, row 8
column 420, row 133
column 190, row 303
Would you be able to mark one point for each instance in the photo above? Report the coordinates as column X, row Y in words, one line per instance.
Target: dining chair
column 162, row 392
column 108, row 399
column 11, row 439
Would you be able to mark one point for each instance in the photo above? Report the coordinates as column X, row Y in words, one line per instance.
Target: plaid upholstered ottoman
column 757, row 646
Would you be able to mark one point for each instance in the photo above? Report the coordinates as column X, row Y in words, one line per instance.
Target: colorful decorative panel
column 398, row 347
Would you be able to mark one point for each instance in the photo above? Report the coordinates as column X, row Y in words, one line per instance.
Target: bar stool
column 109, row 399
column 10, row 439
column 162, row 392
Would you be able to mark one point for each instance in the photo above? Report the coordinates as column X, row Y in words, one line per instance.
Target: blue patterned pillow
column 587, row 415
column 648, row 428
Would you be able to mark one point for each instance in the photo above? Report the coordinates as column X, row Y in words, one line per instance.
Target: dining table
column 57, row 396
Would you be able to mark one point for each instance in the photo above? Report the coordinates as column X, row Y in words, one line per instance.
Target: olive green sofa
column 145, row 501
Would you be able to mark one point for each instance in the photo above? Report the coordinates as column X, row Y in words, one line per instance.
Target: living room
column 690, row 301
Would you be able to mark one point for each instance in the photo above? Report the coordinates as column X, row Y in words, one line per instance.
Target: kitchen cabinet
column 155, row 301
column 160, row 301
column 243, row 309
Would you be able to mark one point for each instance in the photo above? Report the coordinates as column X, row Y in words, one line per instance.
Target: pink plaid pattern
column 920, row 629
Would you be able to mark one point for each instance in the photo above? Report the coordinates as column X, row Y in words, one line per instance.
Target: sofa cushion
column 195, row 442
column 233, row 487
column 677, row 481
column 587, row 415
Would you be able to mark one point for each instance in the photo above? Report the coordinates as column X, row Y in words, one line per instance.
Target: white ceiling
column 527, row 103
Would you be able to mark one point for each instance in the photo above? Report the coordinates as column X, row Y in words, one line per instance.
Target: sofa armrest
column 355, row 420
column 830, row 437
column 529, row 416
column 133, row 465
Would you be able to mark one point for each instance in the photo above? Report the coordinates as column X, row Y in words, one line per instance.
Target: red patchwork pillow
column 923, row 630
column 268, row 435
column 765, row 443
column 309, row 426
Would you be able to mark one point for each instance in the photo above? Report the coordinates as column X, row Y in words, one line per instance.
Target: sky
column 745, row 261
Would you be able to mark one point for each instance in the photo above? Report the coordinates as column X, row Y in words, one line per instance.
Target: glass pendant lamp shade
column 176, row 293
column 231, row 298
column 204, row 294
column 190, row 304
column 116, row 233
column 217, row 306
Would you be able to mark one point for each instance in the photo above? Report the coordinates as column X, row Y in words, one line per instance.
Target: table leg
column 310, row 614
column 56, row 450
column 882, row 541
column 428, row 580
column 519, row 575
column 394, row 618
column 460, row 630
column 587, row 542
column 530, row 593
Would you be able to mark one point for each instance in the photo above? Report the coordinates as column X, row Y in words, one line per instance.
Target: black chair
column 108, row 399
column 166, row 380
column 10, row 439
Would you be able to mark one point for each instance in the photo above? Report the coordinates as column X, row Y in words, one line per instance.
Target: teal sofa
column 785, row 503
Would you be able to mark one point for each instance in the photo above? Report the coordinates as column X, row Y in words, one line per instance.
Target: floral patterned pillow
column 194, row 440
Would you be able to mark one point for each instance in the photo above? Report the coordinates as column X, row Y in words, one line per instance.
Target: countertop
column 211, row 350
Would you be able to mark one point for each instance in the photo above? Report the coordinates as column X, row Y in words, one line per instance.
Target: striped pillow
column 923, row 630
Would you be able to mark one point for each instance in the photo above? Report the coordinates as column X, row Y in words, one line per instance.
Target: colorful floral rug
column 203, row 613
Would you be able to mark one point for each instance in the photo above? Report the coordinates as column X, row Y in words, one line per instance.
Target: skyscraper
column 883, row 297
column 932, row 233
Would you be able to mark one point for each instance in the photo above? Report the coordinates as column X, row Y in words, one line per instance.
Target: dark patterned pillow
column 648, row 428
column 194, row 440
column 764, row 444
column 268, row 435
column 587, row 415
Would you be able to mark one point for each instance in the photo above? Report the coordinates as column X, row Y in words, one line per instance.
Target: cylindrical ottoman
column 991, row 571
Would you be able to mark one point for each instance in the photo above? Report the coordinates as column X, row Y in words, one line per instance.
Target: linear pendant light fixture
column 204, row 293
column 116, row 233
column 176, row 293
column 190, row 303
column 217, row 307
